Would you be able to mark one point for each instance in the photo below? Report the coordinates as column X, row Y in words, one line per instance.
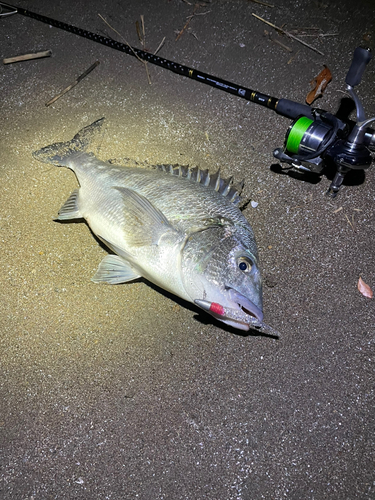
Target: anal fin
column 70, row 208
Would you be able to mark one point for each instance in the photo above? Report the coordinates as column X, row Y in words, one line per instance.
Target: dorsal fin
column 222, row 186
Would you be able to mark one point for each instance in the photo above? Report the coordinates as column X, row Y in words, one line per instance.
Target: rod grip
column 292, row 109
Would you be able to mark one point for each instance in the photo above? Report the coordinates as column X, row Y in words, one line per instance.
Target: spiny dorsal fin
column 222, row 186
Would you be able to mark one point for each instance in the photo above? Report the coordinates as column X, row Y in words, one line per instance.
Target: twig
column 143, row 28
column 186, row 24
column 319, row 35
column 127, row 43
column 343, row 92
column 142, row 38
column 119, row 34
column 351, row 223
column 267, row 33
column 189, row 18
column 288, row 34
column 263, row 3
column 288, row 49
column 138, row 31
column 27, row 57
column 160, row 46
column 93, row 66
column 144, row 46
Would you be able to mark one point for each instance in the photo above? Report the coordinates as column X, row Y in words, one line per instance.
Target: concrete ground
column 124, row 392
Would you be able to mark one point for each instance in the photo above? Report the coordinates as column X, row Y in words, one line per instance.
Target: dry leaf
column 364, row 289
column 320, row 82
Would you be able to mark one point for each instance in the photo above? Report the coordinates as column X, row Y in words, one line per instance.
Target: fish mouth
column 248, row 307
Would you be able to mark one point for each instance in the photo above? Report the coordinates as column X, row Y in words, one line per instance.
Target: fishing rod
column 314, row 138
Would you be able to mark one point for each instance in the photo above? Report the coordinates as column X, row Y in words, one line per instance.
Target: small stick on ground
column 119, row 34
column 262, row 3
column 27, row 57
column 130, row 47
column 143, row 42
column 311, row 32
column 160, row 46
column 186, row 24
column 288, row 34
column 189, row 18
column 351, row 222
column 288, row 49
column 93, row 66
column 285, row 47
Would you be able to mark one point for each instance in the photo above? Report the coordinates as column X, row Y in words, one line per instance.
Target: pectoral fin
column 113, row 270
column 145, row 224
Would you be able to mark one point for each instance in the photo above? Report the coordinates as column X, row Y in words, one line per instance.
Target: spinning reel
column 320, row 137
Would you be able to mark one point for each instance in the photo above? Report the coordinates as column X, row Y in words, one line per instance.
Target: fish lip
column 245, row 304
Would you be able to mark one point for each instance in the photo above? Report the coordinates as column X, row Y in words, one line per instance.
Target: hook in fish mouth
column 238, row 315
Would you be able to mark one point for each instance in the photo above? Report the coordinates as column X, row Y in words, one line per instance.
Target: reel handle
column 361, row 58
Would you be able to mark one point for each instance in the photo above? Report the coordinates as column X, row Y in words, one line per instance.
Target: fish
column 177, row 227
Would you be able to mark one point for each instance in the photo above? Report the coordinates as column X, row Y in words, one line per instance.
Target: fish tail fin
column 60, row 153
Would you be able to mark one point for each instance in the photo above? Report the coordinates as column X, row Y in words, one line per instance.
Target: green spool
column 296, row 132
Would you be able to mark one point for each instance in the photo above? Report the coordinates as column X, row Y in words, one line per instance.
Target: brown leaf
column 320, row 82
column 364, row 289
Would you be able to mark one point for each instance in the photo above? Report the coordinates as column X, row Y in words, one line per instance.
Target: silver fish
column 178, row 227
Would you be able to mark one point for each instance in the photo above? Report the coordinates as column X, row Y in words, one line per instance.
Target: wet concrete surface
column 122, row 392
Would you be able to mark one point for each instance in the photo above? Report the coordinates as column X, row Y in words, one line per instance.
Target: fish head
column 220, row 265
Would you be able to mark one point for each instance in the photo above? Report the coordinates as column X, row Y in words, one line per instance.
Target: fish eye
column 244, row 264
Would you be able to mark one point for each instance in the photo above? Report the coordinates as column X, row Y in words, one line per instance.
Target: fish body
column 179, row 228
